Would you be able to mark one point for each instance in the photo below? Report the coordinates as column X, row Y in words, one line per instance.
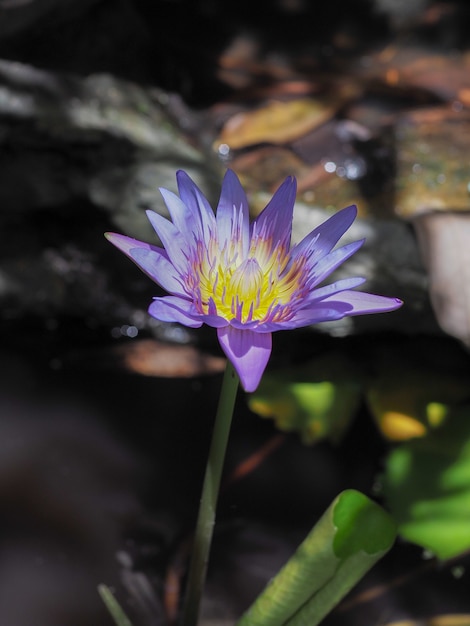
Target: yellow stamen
column 257, row 288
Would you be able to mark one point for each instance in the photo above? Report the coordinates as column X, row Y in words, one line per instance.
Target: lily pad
column 427, row 486
column 303, row 401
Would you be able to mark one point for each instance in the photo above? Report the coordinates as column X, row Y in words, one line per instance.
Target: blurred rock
column 445, row 245
column 110, row 141
column 79, row 157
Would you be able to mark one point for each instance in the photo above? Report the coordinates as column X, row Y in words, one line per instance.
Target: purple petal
column 319, row 312
column 259, row 327
column 333, row 288
column 159, row 268
column 248, row 352
column 181, row 215
column 174, row 309
column 126, row 244
column 362, row 303
column 232, row 216
column 275, row 221
column 174, row 242
column 216, row 321
column 194, row 199
column 343, row 304
column 323, row 239
column 331, row 261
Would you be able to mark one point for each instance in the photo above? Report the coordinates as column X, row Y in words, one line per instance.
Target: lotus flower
column 245, row 279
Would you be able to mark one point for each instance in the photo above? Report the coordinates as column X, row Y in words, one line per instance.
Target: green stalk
column 210, row 491
column 113, row 606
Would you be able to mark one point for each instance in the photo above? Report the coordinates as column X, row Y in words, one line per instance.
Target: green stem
column 210, row 491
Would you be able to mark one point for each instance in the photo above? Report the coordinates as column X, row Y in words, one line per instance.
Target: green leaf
column 350, row 537
column 113, row 606
column 427, row 486
column 314, row 409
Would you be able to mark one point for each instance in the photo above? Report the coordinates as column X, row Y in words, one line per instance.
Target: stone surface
column 445, row 244
column 432, row 152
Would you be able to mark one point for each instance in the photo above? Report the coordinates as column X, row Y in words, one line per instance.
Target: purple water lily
column 245, row 279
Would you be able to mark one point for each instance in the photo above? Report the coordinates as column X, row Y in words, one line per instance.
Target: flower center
column 246, row 281
column 262, row 287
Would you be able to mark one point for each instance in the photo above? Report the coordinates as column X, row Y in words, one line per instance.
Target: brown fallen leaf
column 150, row 357
column 442, row 75
column 276, row 122
column 266, row 167
column 154, row 358
column 438, row 620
